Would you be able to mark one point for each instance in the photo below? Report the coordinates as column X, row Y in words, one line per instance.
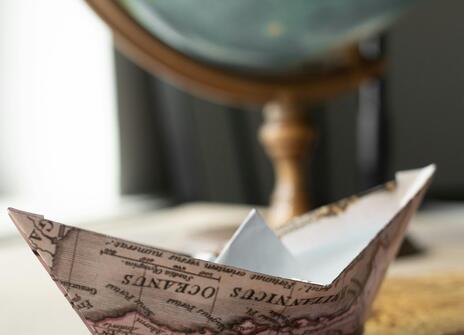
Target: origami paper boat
column 318, row 275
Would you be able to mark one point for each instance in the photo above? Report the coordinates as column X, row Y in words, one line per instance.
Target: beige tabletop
column 31, row 303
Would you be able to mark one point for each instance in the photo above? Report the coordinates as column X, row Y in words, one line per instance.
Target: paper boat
column 317, row 275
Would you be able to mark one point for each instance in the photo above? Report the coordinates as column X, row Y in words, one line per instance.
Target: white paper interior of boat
column 256, row 247
column 320, row 251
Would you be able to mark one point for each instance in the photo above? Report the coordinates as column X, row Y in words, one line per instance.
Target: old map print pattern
column 120, row 288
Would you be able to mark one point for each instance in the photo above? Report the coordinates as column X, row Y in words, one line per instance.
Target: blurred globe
column 262, row 35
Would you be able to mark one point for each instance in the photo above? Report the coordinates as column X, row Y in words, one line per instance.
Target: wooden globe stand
column 287, row 133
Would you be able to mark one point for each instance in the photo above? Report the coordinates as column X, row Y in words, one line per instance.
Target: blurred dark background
column 189, row 149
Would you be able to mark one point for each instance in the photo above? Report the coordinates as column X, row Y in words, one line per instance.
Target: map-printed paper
column 120, row 287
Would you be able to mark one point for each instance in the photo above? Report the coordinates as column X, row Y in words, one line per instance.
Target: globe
column 262, row 36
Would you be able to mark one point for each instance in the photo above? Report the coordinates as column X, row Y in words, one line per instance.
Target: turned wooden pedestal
column 287, row 136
